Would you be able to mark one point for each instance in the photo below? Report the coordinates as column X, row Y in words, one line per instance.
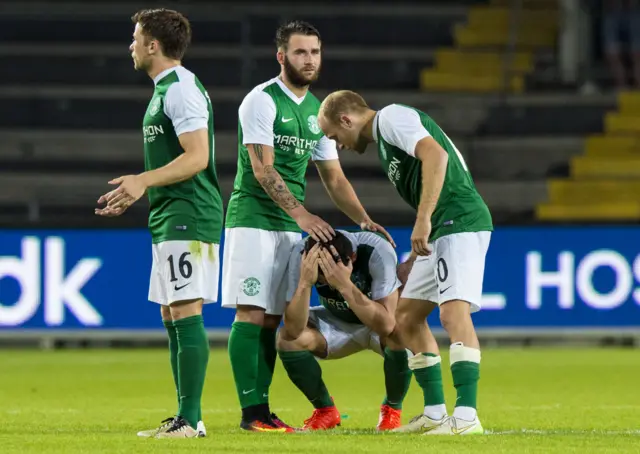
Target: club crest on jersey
column 312, row 123
column 154, row 106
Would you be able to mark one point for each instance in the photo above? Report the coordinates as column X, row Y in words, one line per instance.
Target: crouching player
column 355, row 277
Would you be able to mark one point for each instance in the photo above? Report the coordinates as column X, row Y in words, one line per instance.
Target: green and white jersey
column 374, row 273
column 272, row 115
column 192, row 209
column 397, row 129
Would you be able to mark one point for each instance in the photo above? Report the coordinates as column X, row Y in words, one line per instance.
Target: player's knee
column 250, row 314
column 271, row 321
column 186, row 308
column 455, row 316
column 165, row 313
column 288, row 343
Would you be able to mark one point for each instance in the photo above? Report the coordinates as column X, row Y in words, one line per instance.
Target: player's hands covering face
column 309, row 267
column 130, row 190
column 337, row 274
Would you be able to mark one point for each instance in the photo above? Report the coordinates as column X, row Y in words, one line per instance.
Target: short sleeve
column 186, row 107
column 401, row 127
column 382, row 266
column 257, row 114
column 293, row 276
column 325, row 150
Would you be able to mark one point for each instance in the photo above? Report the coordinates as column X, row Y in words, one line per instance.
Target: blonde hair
column 342, row 102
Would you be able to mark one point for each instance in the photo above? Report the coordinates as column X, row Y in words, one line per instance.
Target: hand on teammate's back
column 337, row 274
column 420, row 237
column 316, row 227
column 309, row 267
column 371, row 226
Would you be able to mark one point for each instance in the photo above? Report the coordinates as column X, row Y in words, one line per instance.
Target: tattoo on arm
column 257, row 148
column 275, row 186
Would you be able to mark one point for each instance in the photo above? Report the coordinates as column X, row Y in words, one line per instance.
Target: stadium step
column 629, row 102
column 589, row 212
column 529, row 4
column 574, row 192
column 528, row 37
column 482, row 62
column 588, row 167
column 500, row 18
column 436, row 80
column 479, row 61
column 622, row 123
column 612, row 146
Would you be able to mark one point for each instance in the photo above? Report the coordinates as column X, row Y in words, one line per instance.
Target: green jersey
column 274, row 116
column 460, row 208
column 374, row 274
column 192, row 209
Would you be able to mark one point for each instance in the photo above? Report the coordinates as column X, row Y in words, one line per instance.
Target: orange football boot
column 390, row 418
column 323, row 419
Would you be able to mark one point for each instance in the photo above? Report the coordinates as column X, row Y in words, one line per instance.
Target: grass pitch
column 531, row 400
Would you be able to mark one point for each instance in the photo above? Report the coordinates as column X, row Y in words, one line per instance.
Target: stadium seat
column 589, row 212
column 478, row 62
column 588, row 167
column 609, row 146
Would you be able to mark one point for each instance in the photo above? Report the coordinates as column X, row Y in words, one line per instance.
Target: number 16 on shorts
column 184, row 270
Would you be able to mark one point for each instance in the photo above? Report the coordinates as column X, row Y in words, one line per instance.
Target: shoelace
column 179, row 425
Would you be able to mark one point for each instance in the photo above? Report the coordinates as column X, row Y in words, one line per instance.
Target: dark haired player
column 185, row 217
column 277, row 134
column 355, row 277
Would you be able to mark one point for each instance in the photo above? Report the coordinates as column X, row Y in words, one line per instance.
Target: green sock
column 426, row 367
column 193, row 358
column 305, row 372
column 397, row 377
column 465, row 369
column 244, row 345
column 173, row 354
column 266, row 363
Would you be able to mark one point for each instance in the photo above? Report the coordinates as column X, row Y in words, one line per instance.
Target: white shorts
column 454, row 270
column 184, row 270
column 254, row 269
column 343, row 339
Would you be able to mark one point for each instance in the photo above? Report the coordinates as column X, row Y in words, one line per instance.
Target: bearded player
column 277, row 134
column 450, row 240
column 185, row 217
column 355, row 277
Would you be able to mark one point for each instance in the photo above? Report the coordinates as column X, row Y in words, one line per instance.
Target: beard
column 296, row 77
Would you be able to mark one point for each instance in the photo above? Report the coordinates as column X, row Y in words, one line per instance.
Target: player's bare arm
column 434, row 167
column 377, row 315
column 132, row 187
column 344, row 196
column 262, row 162
column 296, row 314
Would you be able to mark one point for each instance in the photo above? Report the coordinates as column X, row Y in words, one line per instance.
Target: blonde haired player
column 450, row 239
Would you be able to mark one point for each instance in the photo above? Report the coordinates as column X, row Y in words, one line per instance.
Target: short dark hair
column 340, row 242
column 170, row 28
column 296, row 27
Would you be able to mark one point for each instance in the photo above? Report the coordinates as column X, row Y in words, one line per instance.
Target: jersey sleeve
column 295, row 262
column 325, row 150
column 257, row 113
column 382, row 266
column 401, row 127
column 186, row 107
